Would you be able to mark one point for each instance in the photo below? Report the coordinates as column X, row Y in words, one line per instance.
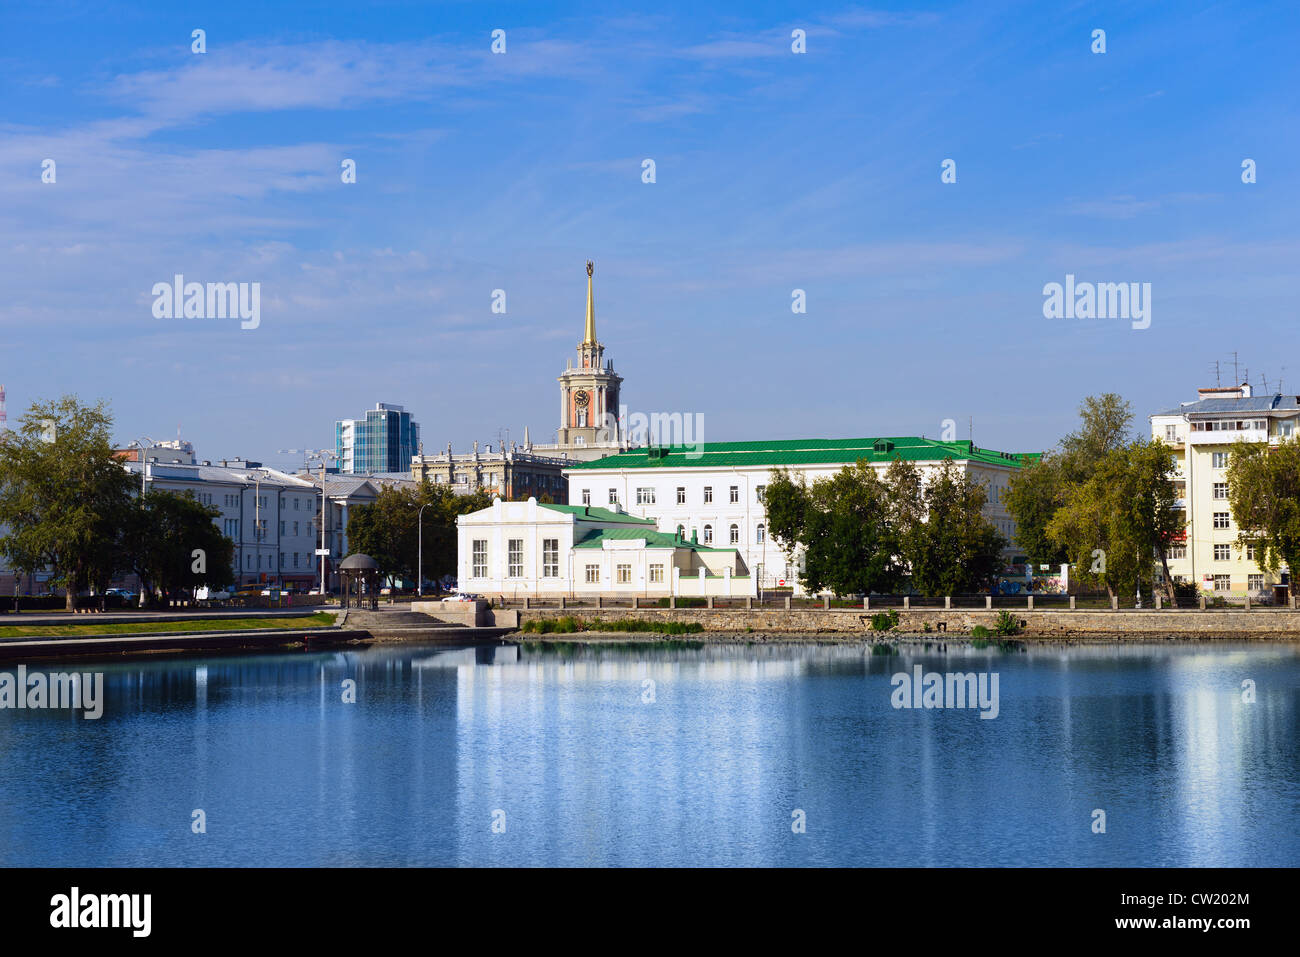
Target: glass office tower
column 383, row 441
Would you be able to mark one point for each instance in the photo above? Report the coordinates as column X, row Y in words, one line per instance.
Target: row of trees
column 67, row 507
column 1102, row 501
column 861, row 533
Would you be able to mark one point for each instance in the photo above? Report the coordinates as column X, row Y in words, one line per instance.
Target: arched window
column 735, row 534
column 760, row 534
column 708, row 534
column 681, row 531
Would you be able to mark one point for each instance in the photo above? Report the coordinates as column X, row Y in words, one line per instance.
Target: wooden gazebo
column 356, row 571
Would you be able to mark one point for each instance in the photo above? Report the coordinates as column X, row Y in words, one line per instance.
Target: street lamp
column 144, row 473
column 419, row 562
column 320, row 456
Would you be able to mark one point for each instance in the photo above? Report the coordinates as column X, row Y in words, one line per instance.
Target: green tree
column 1264, row 496
column 387, row 530
column 1117, row 522
column 1039, row 489
column 954, row 549
column 63, row 494
column 841, row 528
column 1034, row 492
column 172, row 542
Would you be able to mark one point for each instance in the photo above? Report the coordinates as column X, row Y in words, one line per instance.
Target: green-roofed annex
column 594, row 514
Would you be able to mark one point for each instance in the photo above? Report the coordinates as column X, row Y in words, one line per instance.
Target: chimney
column 1245, row 390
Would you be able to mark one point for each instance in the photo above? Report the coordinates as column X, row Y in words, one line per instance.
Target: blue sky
column 775, row 171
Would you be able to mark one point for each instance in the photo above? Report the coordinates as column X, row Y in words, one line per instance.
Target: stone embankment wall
column 1043, row 624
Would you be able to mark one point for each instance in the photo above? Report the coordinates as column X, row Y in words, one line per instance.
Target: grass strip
column 319, row 619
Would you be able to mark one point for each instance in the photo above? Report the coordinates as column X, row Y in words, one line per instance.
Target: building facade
column 714, row 491
column 382, row 441
column 269, row 515
column 511, row 474
column 1202, row 435
column 518, row 549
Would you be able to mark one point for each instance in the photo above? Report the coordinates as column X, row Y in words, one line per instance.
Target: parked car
column 124, row 593
column 204, row 593
column 462, row 596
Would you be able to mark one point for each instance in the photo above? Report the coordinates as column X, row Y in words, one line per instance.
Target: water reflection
column 664, row 756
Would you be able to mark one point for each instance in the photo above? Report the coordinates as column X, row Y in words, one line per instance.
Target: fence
column 1158, row 602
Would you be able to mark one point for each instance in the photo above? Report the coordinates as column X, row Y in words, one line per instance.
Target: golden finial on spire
column 589, row 335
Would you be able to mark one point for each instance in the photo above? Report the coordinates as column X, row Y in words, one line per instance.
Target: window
column 681, row 495
column 708, row 494
column 1219, row 460
column 1222, row 553
column 656, row 573
column 1220, row 519
column 1171, row 433
column 295, row 526
column 1255, row 582
column 734, row 535
column 1221, row 490
column 645, row 496
column 515, row 558
column 760, row 534
column 295, row 558
column 681, row 531
column 1222, row 582
column 708, row 534
column 478, row 569
column 295, row 504
column 733, row 494
column 624, row 574
column 232, row 528
column 282, row 528
column 550, row 558
column 1177, row 552
column 586, row 496
column 1250, row 553
column 613, row 496
column 759, row 492
column 593, row 574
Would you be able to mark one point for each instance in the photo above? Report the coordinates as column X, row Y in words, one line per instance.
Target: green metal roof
column 785, row 452
column 597, row 536
column 597, row 514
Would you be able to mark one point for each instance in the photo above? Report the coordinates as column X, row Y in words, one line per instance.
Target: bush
column 884, row 620
column 659, row 627
column 546, row 626
column 979, row 632
column 1007, row 624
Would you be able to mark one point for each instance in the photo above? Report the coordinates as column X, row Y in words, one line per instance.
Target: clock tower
column 589, row 392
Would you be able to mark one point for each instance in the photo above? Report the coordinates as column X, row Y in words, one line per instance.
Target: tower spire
column 589, row 335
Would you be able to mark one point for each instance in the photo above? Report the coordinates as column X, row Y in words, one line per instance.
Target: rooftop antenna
column 4, row 416
column 1236, row 377
column 1217, row 383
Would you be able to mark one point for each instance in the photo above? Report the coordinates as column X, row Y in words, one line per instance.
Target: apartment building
column 1202, row 434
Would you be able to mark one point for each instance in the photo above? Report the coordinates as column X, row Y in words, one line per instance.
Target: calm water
column 587, row 772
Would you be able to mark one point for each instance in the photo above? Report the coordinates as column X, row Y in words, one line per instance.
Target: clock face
column 580, row 397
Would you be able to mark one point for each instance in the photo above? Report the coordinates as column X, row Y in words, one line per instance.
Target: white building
column 1202, row 435
column 714, row 490
column 518, row 549
column 269, row 515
